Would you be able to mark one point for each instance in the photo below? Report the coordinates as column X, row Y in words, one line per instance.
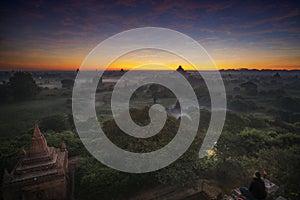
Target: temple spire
column 37, row 133
column 38, row 143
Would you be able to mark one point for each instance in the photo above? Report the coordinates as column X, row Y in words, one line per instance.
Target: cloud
column 51, row 28
column 70, row 32
column 67, row 21
column 131, row 3
column 290, row 14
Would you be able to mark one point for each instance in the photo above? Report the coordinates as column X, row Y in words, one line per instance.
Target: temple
column 180, row 69
column 41, row 173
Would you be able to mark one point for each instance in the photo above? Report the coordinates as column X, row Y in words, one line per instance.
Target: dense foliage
column 261, row 132
column 23, row 86
column 20, row 86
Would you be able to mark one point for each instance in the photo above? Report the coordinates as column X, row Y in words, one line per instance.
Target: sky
column 58, row 35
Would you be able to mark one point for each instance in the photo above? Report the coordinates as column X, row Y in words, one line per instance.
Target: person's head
column 256, row 174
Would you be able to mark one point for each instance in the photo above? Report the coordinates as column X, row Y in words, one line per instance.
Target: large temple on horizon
column 41, row 173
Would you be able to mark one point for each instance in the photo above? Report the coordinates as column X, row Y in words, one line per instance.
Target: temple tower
column 41, row 173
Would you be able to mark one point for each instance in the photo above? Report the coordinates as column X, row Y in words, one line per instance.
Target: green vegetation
column 261, row 132
column 23, row 86
column 17, row 117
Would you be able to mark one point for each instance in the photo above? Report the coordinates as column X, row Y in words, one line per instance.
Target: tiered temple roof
column 40, row 163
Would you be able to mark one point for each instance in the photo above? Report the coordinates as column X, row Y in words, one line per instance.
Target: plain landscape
column 261, row 130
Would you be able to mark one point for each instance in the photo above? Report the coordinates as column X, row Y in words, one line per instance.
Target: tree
column 242, row 105
column 291, row 104
column 95, row 181
column 23, row 86
column 250, row 88
column 286, row 140
column 252, row 140
column 67, row 83
column 184, row 172
column 54, row 122
column 72, row 141
column 154, row 89
column 5, row 93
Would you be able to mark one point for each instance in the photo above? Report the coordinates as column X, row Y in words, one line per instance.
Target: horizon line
column 125, row 70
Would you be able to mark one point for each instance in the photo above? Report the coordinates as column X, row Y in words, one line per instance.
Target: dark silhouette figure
column 256, row 190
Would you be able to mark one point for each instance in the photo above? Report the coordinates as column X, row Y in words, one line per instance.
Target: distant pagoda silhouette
column 41, row 173
column 180, row 69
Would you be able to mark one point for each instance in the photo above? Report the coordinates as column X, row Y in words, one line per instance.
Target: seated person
column 256, row 190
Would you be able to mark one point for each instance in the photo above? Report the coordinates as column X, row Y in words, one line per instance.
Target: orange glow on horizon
column 72, row 61
column 129, row 66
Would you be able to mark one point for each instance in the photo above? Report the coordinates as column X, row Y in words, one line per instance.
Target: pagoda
column 180, row 69
column 41, row 173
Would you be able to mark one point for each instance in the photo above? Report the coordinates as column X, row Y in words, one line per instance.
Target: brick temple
column 41, row 173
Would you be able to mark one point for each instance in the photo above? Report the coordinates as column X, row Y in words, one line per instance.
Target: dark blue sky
column 59, row 34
